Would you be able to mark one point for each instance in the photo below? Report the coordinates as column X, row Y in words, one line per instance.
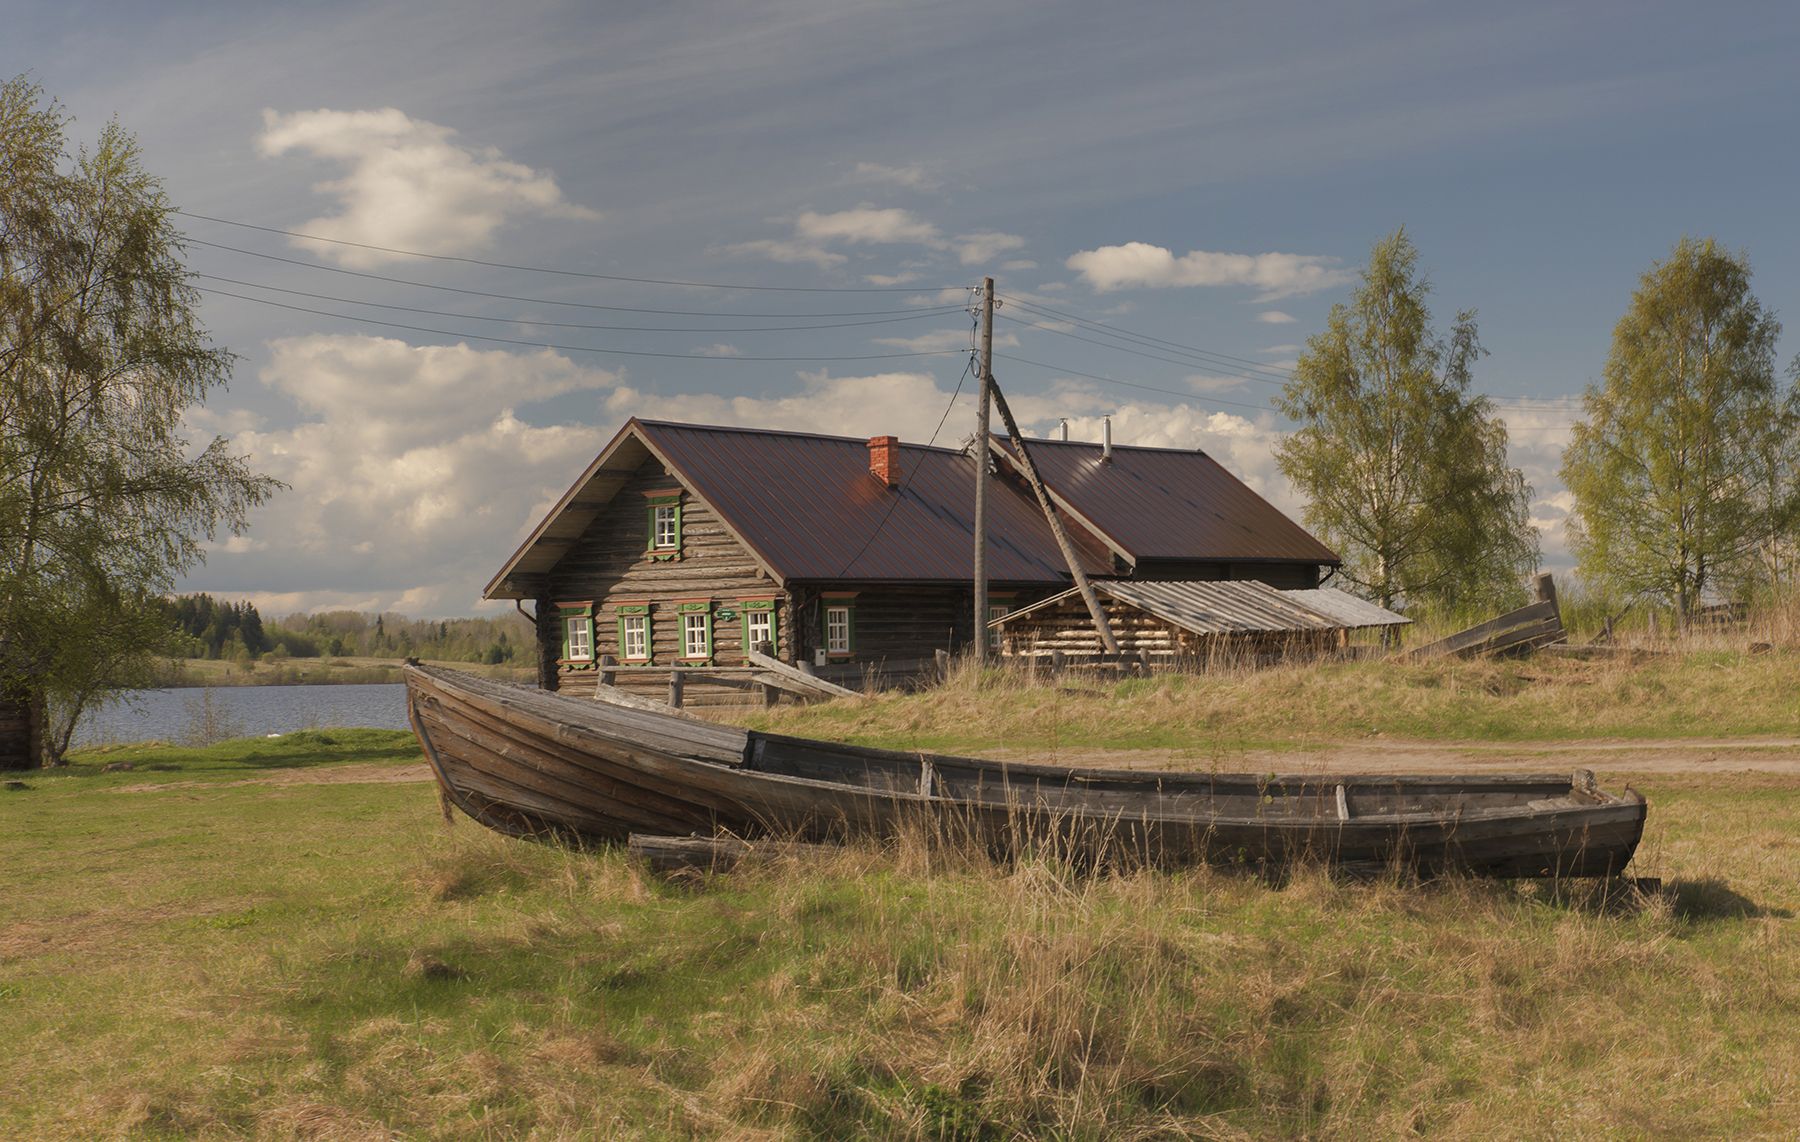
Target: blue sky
column 1136, row 164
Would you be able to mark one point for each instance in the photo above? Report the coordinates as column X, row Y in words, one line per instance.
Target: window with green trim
column 577, row 621
column 696, row 631
column 840, row 628
column 634, row 634
column 760, row 626
column 664, row 526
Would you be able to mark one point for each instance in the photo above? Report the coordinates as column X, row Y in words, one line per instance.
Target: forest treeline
column 217, row 628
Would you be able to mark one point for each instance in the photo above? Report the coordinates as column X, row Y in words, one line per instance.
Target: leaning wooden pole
column 1056, row 528
column 981, row 469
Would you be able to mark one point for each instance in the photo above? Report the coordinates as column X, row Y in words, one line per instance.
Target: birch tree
column 1403, row 466
column 103, row 499
column 1682, row 468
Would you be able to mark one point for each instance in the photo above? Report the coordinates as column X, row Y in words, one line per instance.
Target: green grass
column 1697, row 694
column 202, row 946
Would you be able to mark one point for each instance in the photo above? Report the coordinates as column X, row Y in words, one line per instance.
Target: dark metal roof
column 1171, row 503
column 810, row 509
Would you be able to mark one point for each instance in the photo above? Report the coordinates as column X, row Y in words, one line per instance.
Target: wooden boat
column 531, row 763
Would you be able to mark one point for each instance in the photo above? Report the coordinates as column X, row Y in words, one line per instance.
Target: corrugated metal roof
column 1238, row 606
column 1346, row 609
column 1171, row 503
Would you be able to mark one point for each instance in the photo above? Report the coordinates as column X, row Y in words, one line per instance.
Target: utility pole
column 981, row 468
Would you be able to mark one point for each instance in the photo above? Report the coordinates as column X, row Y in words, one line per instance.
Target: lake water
column 243, row 711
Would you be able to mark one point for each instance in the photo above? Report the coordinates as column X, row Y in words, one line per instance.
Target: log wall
column 1066, row 632
column 612, row 565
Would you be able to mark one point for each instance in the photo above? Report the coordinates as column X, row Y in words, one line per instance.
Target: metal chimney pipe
column 1106, row 438
column 1063, row 429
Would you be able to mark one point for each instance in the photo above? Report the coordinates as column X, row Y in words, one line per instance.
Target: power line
column 563, row 348
column 539, row 300
column 559, row 272
column 1523, row 404
column 914, row 315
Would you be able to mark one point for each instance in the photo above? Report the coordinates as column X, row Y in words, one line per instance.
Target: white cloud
column 1275, row 317
column 789, row 251
column 1141, row 264
column 719, row 350
column 865, row 225
column 944, row 340
column 891, row 279
column 1018, row 264
column 414, row 474
column 409, row 184
column 985, row 246
column 1277, row 350
column 912, row 176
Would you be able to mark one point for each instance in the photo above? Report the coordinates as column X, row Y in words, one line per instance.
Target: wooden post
column 675, row 688
column 770, row 695
column 1056, row 528
column 981, row 468
column 549, row 643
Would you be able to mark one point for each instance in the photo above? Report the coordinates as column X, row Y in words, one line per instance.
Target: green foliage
column 103, row 502
column 1403, row 467
column 1686, row 468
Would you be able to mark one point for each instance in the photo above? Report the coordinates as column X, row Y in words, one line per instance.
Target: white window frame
column 634, row 628
column 759, row 627
column 995, row 611
column 581, row 649
column 837, row 634
column 696, row 634
column 665, row 536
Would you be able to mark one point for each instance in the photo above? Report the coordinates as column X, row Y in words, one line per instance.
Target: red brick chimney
column 884, row 459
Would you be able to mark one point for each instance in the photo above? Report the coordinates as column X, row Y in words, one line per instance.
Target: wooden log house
column 682, row 547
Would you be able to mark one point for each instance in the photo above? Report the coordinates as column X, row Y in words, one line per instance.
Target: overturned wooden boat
column 531, row 763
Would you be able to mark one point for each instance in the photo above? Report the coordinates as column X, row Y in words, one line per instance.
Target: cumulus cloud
column 415, row 470
column 409, row 184
column 1141, row 264
column 865, row 225
column 411, row 474
column 1275, row 317
column 985, row 246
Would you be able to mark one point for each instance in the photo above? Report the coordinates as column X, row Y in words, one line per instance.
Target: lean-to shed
column 1177, row 622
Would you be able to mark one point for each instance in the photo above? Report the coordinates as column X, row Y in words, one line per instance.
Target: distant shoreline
column 200, row 673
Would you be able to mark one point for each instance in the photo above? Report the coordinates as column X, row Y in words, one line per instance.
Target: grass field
column 1697, row 692
column 273, row 938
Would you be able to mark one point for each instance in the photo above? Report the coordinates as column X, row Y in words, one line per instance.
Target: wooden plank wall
column 610, row 565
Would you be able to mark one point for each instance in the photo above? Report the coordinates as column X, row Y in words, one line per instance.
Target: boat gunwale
column 1614, row 809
